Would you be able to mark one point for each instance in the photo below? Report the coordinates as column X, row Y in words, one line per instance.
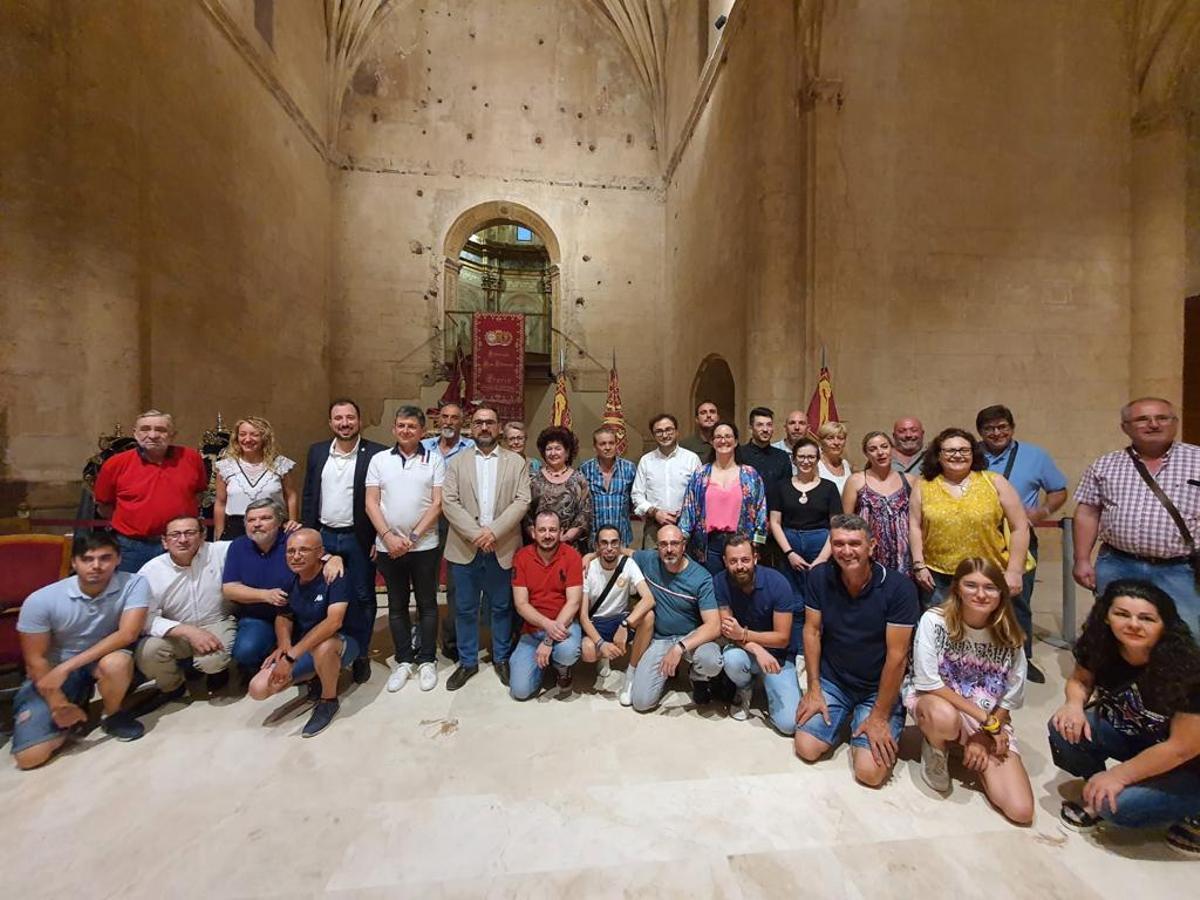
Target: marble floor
column 471, row 794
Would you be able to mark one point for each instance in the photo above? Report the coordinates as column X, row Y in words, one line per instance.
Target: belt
column 1152, row 560
column 344, row 529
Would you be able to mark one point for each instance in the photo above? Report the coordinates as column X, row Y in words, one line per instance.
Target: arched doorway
column 502, row 256
column 714, row 381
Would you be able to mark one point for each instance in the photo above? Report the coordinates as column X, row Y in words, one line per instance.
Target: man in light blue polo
column 1032, row 474
column 75, row 636
column 686, row 622
column 447, row 443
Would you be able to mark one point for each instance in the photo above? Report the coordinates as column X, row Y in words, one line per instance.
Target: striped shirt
column 611, row 503
column 1131, row 518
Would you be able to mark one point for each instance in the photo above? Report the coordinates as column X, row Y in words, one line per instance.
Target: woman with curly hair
column 250, row 469
column 968, row 675
column 958, row 510
column 1134, row 697
column 723, row 498
column 558, row 487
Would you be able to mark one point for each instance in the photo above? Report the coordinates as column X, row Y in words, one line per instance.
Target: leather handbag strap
column 612, row 579
column 1170, row 507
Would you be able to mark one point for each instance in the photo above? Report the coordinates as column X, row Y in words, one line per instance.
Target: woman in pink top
column 722, row 498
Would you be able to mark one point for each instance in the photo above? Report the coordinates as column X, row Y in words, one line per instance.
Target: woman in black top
column 1134, row 697
column 801, row 507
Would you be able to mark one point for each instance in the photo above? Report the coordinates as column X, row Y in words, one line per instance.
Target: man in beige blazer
column 484, row 497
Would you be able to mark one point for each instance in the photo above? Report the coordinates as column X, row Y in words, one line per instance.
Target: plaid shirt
column 611, row 505
column 1131, row 517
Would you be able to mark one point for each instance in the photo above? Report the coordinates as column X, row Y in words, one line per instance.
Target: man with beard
column 484, row 498
column 335, row 505
column 448, row 443
column 700, row 442
column 908, row 440
column 685, row 622
column 547, row 589
column 756, row 605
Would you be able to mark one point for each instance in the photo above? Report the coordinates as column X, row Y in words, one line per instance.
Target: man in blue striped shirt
column 610, row 479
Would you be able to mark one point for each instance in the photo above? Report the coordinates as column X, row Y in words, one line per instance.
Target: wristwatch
column 682, row 646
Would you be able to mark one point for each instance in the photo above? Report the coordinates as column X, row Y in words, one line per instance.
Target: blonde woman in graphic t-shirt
column 968, row 675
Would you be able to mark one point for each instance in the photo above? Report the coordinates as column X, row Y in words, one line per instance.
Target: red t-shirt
column 145, row 495
column 547, row 583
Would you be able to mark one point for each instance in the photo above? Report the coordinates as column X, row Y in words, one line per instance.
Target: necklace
column 959, row 489
column 800, row 490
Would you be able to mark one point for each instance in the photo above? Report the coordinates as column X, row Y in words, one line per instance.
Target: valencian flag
column 560, row 416
column 821, row 408
column 614, row 414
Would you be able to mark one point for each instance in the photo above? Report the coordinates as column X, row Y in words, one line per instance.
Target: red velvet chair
column 27, row 562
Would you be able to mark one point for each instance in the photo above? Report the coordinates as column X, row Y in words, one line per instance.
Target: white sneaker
column 603, row 668
column 626, row 697
column 427, row 676
column 399, row 677
column 739, row 710
column 935, row 768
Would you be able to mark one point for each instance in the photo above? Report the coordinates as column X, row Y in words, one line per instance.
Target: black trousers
column 413, row 573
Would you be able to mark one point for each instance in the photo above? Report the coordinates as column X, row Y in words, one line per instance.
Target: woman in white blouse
column 833, row 466
column 250, row 469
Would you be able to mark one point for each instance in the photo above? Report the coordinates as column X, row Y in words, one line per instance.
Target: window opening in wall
column 264, row 20
column 504, row 267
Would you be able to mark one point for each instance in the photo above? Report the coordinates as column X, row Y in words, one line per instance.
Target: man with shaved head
column 795, row 429
column 908, row 439
column 314, row 633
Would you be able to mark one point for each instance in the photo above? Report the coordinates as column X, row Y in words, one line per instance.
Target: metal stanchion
column 1067, row 641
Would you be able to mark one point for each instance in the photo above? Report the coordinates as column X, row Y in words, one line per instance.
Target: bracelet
column 992, row 725
column 790, row 551
column 917, row 566
column 600, row 644
column 745, row 634
column 682, row 646
column 547, row 642
column 289, row 657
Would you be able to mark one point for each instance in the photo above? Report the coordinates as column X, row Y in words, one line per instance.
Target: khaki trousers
column 159, row 657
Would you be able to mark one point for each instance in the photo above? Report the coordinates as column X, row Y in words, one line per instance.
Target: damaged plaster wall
column 462, row 103
column 165, row 227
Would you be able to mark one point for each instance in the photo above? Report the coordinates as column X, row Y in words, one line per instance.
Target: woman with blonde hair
column 968, row 675
column 880, row 495
column 833, row 466
column 250, row 469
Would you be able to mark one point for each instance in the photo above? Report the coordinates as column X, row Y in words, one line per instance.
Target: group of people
column 902, row 587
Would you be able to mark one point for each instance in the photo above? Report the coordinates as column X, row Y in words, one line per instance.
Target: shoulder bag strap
column 612, row 580
column 1012, row 461
column 1170, row 507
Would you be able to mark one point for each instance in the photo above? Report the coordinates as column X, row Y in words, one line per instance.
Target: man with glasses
column 484, row 498
column 1146, row 532
column 188, row 619
column 1032, row 473
column 662, row 478
column 314, row 632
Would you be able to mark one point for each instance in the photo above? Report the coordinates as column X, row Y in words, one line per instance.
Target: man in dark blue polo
column 1032, row 473
column 756, row 604
column 256, row 582
column 858, row 624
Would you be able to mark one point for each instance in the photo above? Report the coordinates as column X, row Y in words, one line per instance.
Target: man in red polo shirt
column 547, row 591
column 142, row 489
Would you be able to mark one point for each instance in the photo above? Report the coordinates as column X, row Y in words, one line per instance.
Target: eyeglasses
column 181, row 535
column 988, row 590
column 664, row 430
column 1143, row 421
column 301, row 551
column 996, row 429
column 956, row 451
column 805, row 457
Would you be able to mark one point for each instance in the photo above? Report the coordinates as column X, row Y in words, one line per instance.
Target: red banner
column 498, row 363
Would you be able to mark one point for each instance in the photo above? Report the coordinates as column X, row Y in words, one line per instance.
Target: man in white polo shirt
column 188, row 617
column 404, row 501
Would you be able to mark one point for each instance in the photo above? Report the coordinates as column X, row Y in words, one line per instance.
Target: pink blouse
column 722, row 506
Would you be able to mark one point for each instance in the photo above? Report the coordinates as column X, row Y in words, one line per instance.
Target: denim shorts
column 305, row 668
column 852, row 707
column 607, row 627
column 32, row 720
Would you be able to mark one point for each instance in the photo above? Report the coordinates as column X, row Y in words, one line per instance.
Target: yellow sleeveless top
column 957, row 528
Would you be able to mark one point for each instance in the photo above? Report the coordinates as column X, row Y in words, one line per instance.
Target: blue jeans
column 482, row 575
column 1161, row 800
column 33, row 723
column 525, row 677
column 1023, row 603
column 136, row 553
column 1176, row 580
column 360, row 575
column 808, row 544
column 783, row 691
column 845, row 704
column 255, row 641
column 714, row 552
column 941, row 589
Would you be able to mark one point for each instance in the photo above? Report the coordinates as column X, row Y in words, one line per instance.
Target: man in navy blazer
column 334, row 503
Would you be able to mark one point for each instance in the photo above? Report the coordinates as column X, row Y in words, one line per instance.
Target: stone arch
column 480, row 216
column 714, row 381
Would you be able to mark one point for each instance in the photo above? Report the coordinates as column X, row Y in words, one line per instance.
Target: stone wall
column 532, row 102
column 165, row 226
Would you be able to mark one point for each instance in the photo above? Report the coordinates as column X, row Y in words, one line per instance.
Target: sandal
column 1074, row 816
